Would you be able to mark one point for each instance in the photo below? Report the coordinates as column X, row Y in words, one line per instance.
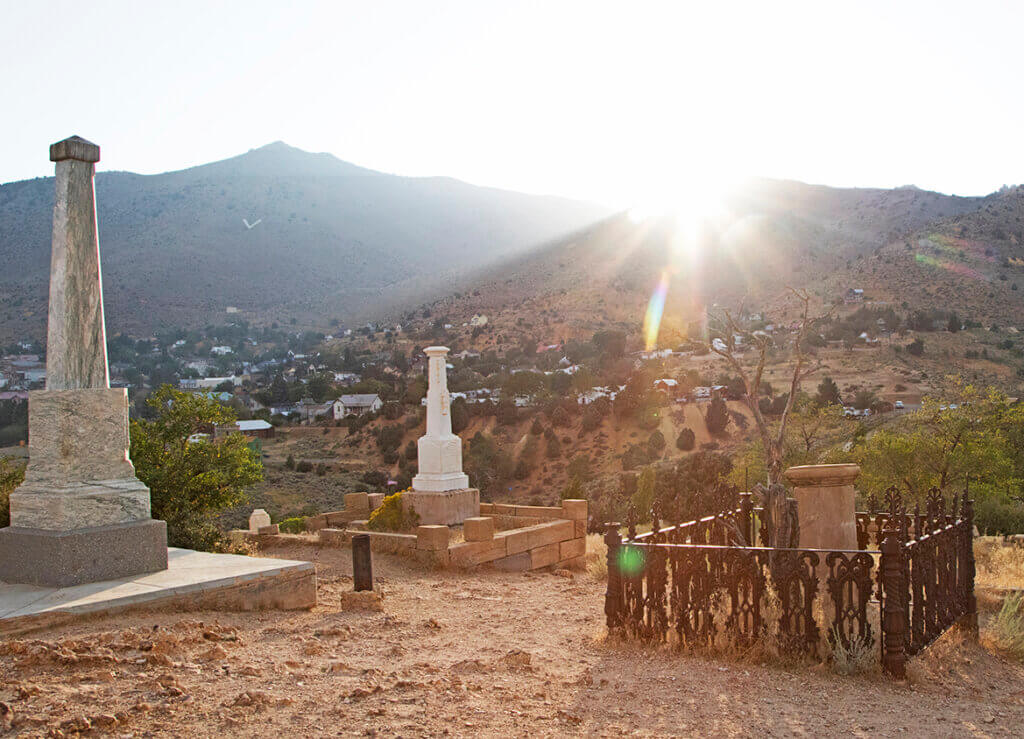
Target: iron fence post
column 894, row 606
column 746, row 522
column 613, row 594
column 972, row 601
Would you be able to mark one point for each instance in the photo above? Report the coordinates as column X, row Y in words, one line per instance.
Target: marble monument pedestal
column 826, row 505
column 440, row 493
column 81, row 515
column 443, row 507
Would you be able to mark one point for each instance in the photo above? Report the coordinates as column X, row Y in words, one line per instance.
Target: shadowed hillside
column 330, row 239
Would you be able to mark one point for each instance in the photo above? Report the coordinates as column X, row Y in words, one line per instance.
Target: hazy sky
column 615, row 102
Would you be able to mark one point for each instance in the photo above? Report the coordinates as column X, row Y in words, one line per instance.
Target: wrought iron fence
column 699, row 583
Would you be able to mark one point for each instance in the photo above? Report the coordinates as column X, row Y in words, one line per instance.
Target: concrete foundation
column 192, row 581
column 444, row 508
column 64, row 558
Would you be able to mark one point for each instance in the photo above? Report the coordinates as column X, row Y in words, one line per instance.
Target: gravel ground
column 455, row 654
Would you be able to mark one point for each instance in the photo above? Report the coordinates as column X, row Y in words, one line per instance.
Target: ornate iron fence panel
column 692, row 582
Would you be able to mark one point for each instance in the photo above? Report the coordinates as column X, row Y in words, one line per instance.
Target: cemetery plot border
column 689, row 585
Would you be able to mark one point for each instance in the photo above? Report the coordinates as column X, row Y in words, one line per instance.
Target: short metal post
column 894, row 606
column 362, row 562
column 972, row 600
column 613, row 593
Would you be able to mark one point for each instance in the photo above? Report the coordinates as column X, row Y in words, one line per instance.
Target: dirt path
column 486, row 654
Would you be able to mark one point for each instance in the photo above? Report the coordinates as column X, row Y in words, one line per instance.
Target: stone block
column 572, row 548
column 503, row 509
column 333, row 537
column 445, row 508
column 538, row 511
column 550, row 533
column 516, row 540
column 515, row 563
column 386, row 541
column 315, row 523
column 355, row 502
column 78, row 436
column 574, row 508
column 576, row 563
column 544, row 556
column 473, row 553
column 436, row 558
column 375, row 500
column 64, row 558
column 358, row 525
column 478, row 528
column 579, row 528
column 269, row 530
column 432, row 538
column 486, row 509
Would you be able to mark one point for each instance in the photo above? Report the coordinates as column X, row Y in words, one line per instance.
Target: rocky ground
column 455, row 654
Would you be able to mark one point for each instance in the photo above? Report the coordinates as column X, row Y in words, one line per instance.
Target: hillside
column 330, row 240
column 929, row 250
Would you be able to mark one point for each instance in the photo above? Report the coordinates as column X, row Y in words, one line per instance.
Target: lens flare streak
column 655, row 309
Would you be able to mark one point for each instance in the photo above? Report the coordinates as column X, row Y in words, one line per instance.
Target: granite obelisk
column 81, row 515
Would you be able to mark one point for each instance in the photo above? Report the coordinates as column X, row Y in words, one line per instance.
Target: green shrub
column 996, row 517
column 11, row 475
column 686, row 440
column 294, row 525
column 290, row 462
column 304, row 466
column 391, row 516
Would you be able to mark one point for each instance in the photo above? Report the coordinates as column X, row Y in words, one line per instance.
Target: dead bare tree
column 724, row 346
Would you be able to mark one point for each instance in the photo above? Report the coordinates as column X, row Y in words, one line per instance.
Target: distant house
column 467, row 354
column 310, row 410
column 854, row 295
column 478, row 320
column 346, row 377
column 356, row 405
column 207, row 383
column 667, row 385
column 220, row 351
column 596, row 393
column 257, row 428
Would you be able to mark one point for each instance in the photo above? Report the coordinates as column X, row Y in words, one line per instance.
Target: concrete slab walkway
column 192, row 581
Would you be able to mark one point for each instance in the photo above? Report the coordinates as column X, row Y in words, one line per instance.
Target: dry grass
column 860, row 658
column 1005, row 631
column 597, row 557
column 998, row 565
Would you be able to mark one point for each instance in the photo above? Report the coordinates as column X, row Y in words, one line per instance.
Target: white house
column 356, row 405
column 207, row 383
column 220, row 351
column 478, row 320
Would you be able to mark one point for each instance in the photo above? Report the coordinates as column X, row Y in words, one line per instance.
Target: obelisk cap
column 74, row 148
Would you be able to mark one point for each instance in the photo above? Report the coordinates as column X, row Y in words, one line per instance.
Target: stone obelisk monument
column 440, row 491
column 81, row 515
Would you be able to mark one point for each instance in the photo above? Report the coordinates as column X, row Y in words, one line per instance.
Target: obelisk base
column 444, row 508
column 64, row 558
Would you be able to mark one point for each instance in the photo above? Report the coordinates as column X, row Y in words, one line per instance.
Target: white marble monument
column 440, row 491
column 81, row 515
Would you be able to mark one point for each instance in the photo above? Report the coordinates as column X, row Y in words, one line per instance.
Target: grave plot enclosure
column 691, row 584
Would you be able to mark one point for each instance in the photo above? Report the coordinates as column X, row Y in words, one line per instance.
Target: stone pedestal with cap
column 440, row 491
column 80, row 515
column 826, row 505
